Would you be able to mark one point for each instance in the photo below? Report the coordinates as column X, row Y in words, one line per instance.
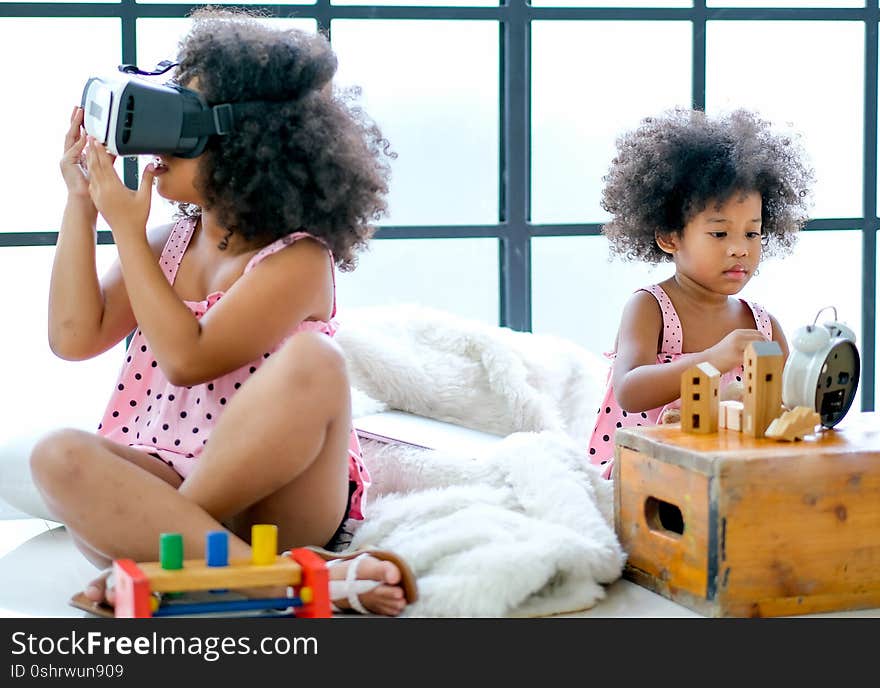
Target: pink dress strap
column 284, row 242
column 175, row 247
column 672, row 333
column 762, row 319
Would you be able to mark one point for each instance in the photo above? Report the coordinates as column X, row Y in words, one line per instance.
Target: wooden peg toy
column 264, row 544
column 141, row 588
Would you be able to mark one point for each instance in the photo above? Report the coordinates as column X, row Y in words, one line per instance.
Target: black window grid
column 514, row 229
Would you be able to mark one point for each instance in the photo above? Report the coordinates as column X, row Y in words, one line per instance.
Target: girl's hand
column 728, row 353
column 73, row 163
column 126, row 211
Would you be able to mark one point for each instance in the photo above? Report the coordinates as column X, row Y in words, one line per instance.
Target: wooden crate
column 730, row 525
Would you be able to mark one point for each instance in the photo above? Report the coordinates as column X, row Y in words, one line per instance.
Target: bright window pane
column 579, row 293
column 785, row 3
column 878, row 153
column 612, row 3
column 157, row 39
column 793, row 290
column 818, row 92
column 877, row 339
column 455, row 275
column 230, row 2
column 419, row 3
column 36, row 120
column 41, row 391
column 582, row 100
column 432, row 87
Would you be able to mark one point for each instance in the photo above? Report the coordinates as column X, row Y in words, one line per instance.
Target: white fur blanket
column 494, row 379
column 523, row 530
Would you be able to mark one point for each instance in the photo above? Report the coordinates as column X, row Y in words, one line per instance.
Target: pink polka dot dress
column 174, row 423
column 611, row 417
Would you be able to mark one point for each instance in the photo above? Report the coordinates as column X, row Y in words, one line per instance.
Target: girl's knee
column 313, row 358
column 59, row 457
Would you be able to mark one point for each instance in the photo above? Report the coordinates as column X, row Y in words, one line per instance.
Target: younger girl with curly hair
column 710, row 196
column 232, row 406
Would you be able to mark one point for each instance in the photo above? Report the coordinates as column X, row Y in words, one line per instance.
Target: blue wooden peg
column 217, row 548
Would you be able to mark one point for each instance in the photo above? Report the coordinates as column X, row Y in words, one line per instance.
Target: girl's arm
column 640, row 383
column 86, row 317
column 256, row 313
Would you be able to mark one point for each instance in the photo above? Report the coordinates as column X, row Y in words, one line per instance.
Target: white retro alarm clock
column 822, row 370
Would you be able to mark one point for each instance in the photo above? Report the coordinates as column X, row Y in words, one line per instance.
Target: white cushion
column 17, row 487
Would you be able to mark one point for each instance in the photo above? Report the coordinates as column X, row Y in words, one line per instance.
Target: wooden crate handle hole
column 664, row 517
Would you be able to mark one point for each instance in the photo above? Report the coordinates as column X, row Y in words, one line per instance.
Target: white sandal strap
column 351, row 588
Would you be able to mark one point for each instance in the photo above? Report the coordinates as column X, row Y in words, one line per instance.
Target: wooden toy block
column 217, row 548
column 140, row 585
column 171, row 551
column 763, row 363
column 315, row 588
column 731, row 412
column 264, row 543
column 132, row 591
column 794, row 424
column 732, row 525
column 196, row 575
column 699, row 399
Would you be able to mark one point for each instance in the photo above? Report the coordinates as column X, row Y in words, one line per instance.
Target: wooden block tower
column 699, row 399
column 762, row 386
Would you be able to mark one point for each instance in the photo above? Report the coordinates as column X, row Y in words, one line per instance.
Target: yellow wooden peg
column 264, row 544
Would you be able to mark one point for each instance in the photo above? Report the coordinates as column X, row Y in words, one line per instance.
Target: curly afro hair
column 672, row 167
column 302, row 156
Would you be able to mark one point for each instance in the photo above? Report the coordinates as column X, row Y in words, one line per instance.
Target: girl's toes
column 390, row 606
column 95, row 591
column 99, row 591
column 391, row 575
column 387, row 599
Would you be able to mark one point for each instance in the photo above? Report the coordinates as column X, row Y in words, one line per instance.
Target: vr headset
column 133, row 116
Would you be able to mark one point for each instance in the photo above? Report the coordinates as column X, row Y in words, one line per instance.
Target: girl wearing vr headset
column 232, row 407
column 708, row 195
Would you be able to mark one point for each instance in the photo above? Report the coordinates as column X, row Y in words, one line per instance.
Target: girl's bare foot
column 386, row 599
column 97, row 590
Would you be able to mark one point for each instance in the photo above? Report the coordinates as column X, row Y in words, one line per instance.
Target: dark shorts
column 342, row 538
